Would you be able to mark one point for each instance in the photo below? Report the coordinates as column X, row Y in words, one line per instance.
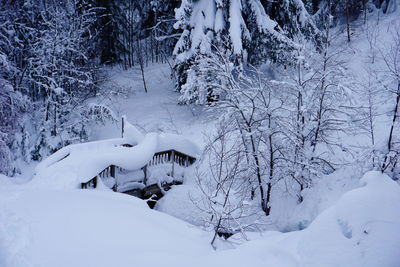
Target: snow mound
column 179, row 203
column 92, row 228
column 360, row 230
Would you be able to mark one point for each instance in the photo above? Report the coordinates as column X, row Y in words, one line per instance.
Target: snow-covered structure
column 127, row 164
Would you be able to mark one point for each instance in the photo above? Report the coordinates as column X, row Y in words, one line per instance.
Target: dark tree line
column 130, row 30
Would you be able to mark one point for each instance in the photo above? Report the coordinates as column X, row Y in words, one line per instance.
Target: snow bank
column 360, row 230
column 92, row 228
column 179, row 202
column 288, row 215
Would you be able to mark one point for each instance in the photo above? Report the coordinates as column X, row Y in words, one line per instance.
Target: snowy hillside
column 156, row 110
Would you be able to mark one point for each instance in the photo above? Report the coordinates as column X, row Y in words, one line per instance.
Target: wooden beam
column 145, row 175
column 112, row 171
column 173, row 162
column 122, row 126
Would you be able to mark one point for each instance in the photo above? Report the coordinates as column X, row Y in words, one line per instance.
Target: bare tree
column 391, row 84
column 252, row 105
column 221, row 177
column 366, row 116
column 317, row 87
column 141, row 63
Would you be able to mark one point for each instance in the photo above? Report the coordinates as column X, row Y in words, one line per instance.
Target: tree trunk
column 348, row 22
column 385, row 163
column 140, row 59
column 264, row 204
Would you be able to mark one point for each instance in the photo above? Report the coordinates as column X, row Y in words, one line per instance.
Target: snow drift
column 361, row 229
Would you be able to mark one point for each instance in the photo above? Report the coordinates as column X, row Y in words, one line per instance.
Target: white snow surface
column 168, row 141
column 46, row 228
column 91, row 228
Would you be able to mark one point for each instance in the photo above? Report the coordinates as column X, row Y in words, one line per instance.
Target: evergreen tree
column 241, row 29
column 293, row 17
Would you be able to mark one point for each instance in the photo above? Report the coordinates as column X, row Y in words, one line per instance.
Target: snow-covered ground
column 91, row 228
column 155, row 111
column 46, row 228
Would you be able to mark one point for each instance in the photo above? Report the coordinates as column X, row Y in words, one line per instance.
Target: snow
column 167, row 141
column 202, row 22
column 130, row 185
column 131, row 134
column 264, row 22
column 6, row 182
column 237, row 26
column 219, row 24
column 40, row 227
column 155, row 111
column 286, row 214
column 364, row 56
column 359, row 230
column 92, row 228
column 79, row 163
column 177, row 202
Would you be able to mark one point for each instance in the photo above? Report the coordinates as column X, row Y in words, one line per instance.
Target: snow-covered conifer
column 241, row 29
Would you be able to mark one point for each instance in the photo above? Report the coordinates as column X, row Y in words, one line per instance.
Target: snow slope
column 91, row 228
column 155, row 111
column 97, row 228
